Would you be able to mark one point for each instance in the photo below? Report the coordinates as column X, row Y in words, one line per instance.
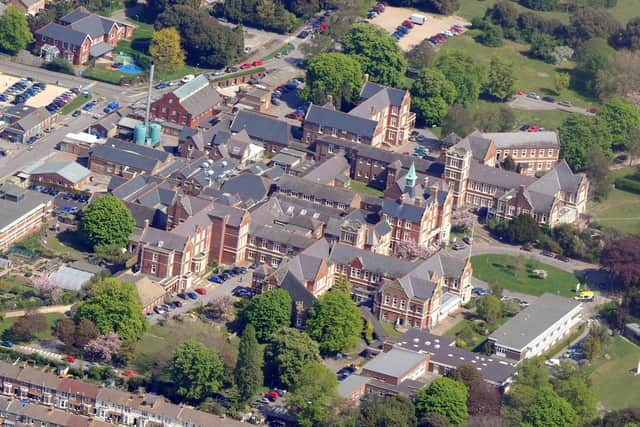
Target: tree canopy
column 549, row 410
column 314, row 392
column 622, row 117
column 489, row 308
column 269, row 312
column 107, row 221
column 248, row 371
column 196, row 370
column 165, row 49
column 431, row 96
column 14, row 30
column 464, row 72
column 446, row 397
column 388, row 411
column 578, row 134
column 622, row 259
column 287, row 354
column 334, row 321
column 378, row 53
column 500, row 79
column 334, row 74
column 114, row 306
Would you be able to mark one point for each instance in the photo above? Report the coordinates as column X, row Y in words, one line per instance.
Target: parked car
column 76, row 113
column 303, row 34
column 254, row 266
column 245, row 66
column 187, row 78
column 548, row 99
column 549, row 254
column 240, row 270
column 182, row 295
column 161, row 85
column 562, row 258
column 216, row 279
column 257, row 63
column 275, row 101
column 201, row 291
column 232, row 69
column 533, row 95
column 459, row 246
column 69, row 359
column 159, row 310
column 192, row 295
column 533, row 128
column 565, row 103
column 7, row 343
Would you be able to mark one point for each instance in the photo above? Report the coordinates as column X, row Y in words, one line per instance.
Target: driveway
column 523, row 102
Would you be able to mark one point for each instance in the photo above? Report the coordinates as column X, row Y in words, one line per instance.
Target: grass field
column 613, row 380
column 390, row 330
column 155, row 350
column 104, row 75
column 501, row 270
column 620, row 209
column 52, row 318
column 531, row 74
column 361, row 187
column 75, row 104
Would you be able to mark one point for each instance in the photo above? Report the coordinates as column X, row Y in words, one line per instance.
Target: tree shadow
column 74, row 240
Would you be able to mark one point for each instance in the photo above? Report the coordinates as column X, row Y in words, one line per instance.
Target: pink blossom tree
column 462, row 220
column 104, row 347
column 410, row 249
column 47, row 289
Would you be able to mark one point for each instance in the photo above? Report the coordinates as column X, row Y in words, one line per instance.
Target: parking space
column 36, row 95
column 434, row 25
column 422, row 143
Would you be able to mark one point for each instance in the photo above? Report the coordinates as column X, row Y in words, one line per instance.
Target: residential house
column 82, row 35
column 22, row 212
column 189, row 104
column 537, row 328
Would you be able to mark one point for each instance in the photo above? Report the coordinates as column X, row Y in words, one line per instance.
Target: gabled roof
column 560, row 178
column 163, row 239
column 71, row 171
column 247, row 187
column 417, row 287
column 544, row 139
column 501, row 178
column 261, row 126
column 322, row 116
column 477, row 144
column 75, row 15
column 197, row 96
column 31, row 120
column 408, row 212
column 387, row 265
column 395, row 96
column 319, row 191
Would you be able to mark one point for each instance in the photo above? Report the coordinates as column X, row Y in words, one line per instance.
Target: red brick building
column 189, row 104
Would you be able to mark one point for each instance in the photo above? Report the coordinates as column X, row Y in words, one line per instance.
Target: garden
column 621, row 208
column 517, row 274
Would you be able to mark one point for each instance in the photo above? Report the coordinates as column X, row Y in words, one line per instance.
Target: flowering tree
column 47, row 289
column 410, row 249
column 104, row 347
column 461, row 220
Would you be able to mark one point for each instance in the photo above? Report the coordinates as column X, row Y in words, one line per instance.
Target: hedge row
column 628, row 184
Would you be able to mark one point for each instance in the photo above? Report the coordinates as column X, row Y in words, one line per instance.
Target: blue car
column 216, row 279
column 192, row 295
column 161, row 85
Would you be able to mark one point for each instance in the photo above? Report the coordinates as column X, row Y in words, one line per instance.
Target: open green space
column 475, row 340
column 104, row 74
column 273, row 54
column 76, row 103
column 361, row 187
column 549, row 119
column 517, row 275
column 621, row 209
column 390, row 330
column 613, row 376
column 155, row 350
column 52, row 318
column 624, row 10
column 531, row 75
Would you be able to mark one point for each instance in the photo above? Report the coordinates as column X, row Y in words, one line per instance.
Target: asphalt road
column 523, row 102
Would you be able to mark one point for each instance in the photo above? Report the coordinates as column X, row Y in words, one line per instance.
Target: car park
column 192, row 295
column 201, row 291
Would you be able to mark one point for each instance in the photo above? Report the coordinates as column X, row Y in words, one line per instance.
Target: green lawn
column 620, row 209
column 104, row 74
column 501, row 270
column 75, row 104
column 531, row 74
column 625, row 10
column 476, row 339
column 155, row 350
column 52, row 318
column 549, row 119
column 390, row 330
column 361, row 187
column 614, row 380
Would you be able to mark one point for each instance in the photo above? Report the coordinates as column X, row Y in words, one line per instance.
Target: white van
column 418, row 19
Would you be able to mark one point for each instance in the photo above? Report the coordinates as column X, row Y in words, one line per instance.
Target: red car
column 520, row 92
column 407, row 23
column 69, row 359
column 406, row 153
column 201, row 291
column 245, row 66
column 272, row 394
column 295, row 116
column 534, row 128
column 128, row 373
column 256, row 63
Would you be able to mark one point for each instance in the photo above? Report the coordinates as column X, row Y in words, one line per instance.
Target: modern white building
column 537, row 328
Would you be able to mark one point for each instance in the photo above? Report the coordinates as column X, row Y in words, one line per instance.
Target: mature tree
column 532, row 376
column 14, row 30
column 542, row 46
column 421, row 56
column 620, row 76
column 492, row 35
column 522, row 229
column 459, row 120
column 269, row 312
column 196, row 370
column 500, row 79
column 334, row 74
column 104, row 347
column 462, row 220
column 59, row 65
column 592, row 57
column 445, row 7
column 155, row 7
column 114, row 306
column 378, row 53
column 86, row 331
column 431, row 96
column 248, row 371
column 388, row 411
column 544, row 5
column 631, row 36
column 562, row 81
column 632, row 144
column 26, row 327
column 577, row 391
column 591, row 22
column 107, row 221
column 66, row 331
column 334, row 321
column 627, row 417
column 313, row 394
column 484, row 399
column 48, row 290
column 509, row 164
column 503, row 13
column 165, row 49
column 549, row 410
column 579, row 134
column 597, row 169
column 464, row 72
column 622, row 259
column 494, row 118
column 622, row 117
column 489, row 308
column 287, row 354
column 220, row 309
column 446, row 397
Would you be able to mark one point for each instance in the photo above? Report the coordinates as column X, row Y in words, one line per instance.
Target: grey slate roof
column 375, row 263
column 163, row 239
column 327, row 171
column 100, row 49
column 394, row 95
column 560, row 178
column 342, row 121
column 527, row 325
column 501, row 178
column 123, row 158
column 197, row 96
column 477, row 144
column 544, row 139
column 138, row 149
column 407, row 212
column 31, row 120
column 75, row 15
column 71, row 171
column 417, row 287
column 321, row 192
column 11, row 211
column 247, row 187
column 63, row 33
column 261, row 126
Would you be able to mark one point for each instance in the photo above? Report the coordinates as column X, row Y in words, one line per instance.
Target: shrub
column 59, row 65
column 628, row 184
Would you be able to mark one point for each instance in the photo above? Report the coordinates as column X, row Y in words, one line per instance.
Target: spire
column 411, row 177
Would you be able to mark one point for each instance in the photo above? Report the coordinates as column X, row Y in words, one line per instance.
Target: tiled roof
column 62, row 33
column 501, row 178
column 342, row 121
column 262, row 127
column 71, row 171
column 544, row 139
